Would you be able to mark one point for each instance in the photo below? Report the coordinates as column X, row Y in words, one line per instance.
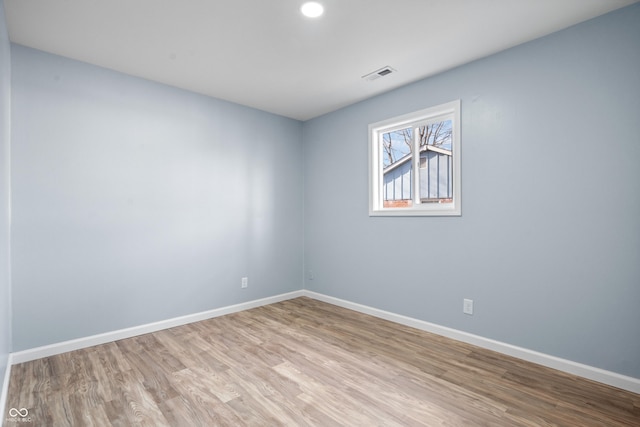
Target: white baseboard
column 5, row 388
column 65, row 346
column 585, row 371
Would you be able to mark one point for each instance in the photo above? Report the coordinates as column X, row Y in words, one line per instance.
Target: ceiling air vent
column 384, row 71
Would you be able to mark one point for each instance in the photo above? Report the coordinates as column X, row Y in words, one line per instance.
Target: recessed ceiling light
column 312, row 9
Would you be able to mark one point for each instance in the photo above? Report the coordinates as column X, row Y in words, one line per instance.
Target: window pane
column 397, row 168
column 396, row 146
column 437, row 134
column 415, row 163
column 436, row 162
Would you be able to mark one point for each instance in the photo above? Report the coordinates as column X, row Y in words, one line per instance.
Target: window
column 414, row 163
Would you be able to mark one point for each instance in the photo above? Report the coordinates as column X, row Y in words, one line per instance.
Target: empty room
column 331, row 213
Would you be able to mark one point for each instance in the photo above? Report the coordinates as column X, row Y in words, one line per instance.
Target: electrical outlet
column 245, row 282
column 467, row 306
column 310, row 275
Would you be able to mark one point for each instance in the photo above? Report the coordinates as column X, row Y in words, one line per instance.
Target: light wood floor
column 303, row 362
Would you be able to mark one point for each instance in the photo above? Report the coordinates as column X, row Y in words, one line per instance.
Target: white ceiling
column 265, row 54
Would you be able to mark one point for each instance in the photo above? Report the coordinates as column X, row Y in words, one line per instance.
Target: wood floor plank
column 303, row 362
column 136, row 403
column 150, row 368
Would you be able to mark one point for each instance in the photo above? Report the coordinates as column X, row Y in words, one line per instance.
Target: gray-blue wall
column 5, row 134
column 135, row 202
column 548, row 244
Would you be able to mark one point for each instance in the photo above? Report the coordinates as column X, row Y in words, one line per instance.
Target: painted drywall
column 548, row 244
column 135, row 202
column 5, row 135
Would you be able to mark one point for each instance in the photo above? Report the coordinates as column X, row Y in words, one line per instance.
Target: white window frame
column 450, row 110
